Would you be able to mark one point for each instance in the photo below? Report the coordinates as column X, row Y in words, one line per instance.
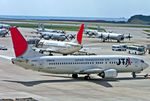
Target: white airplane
column 42, row 29
column 53, row 36
column 4, row 26
column 50, row 33
column 3, row 32
column 106, row 35
column 106, row 66
column 109, row 36
column 61, row 47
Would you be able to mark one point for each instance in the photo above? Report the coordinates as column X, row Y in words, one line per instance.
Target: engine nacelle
column 46, row 37
column 110, row 73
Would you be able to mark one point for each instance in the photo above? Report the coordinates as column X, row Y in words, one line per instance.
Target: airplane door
column 40, row 64
column 136, row 63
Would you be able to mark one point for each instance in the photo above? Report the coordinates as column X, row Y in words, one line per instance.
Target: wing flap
column 90, row 70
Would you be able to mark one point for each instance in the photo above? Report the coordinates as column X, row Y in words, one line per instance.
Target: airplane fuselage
column 3, row 32
column 54, row 36
column 71, row 64
column 59, row 47
column 112, row 36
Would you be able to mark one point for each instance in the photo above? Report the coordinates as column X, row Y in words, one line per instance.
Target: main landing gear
column 87, row 77
column 75, row 76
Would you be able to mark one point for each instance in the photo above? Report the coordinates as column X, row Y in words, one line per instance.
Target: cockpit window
column 142, row 61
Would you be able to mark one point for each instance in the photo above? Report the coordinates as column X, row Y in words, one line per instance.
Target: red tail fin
column 20, row 44
column 80, row 34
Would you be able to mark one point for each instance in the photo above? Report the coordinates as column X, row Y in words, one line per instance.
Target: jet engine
column 46, row 37
column 110, row 73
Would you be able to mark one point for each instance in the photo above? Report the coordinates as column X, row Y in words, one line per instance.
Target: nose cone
column 145, row 65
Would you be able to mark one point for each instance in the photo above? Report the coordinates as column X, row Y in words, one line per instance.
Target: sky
column 75, row 8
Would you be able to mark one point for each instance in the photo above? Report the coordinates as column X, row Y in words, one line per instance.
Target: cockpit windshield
column 142, row 61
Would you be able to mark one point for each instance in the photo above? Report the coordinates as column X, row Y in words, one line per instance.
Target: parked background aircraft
column 3, row 32
column 112, row 36
column 91, row 32
column 4, row 26
column 42, row 29
column 61, row 47
column 106, row 66
column 50, row 34
column 53, row 36
column 106, row 36
column 47, row 34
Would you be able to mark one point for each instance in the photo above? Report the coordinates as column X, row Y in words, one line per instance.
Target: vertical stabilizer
column 98, row 28
column 42, row 26
column 21, row 47
column 20, row 44
column 39, row 25
column 79, row 35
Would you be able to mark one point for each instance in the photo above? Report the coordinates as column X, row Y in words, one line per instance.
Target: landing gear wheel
column 102, row 75
column 41, row 52
column 74, row 76
column 146, row 75
column 64, row 54
column 50, row 54
column 118, row 41
column 133, row 75
column 86, row 77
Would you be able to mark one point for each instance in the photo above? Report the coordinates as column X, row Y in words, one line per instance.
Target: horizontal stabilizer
column 6, row 57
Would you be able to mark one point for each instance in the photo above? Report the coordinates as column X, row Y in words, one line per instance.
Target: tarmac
column 16, row 82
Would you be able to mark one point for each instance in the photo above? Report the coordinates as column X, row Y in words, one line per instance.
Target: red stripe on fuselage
column 129, row 62
column 20, row 44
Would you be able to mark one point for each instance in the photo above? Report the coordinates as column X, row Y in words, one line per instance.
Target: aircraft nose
column 145, row 65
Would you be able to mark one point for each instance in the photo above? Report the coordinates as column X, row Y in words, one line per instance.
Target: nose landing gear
column 87, row 77
column 133, row 74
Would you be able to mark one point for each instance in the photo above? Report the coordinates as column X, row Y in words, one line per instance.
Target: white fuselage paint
column 60, row 47
column 3, row 32
column 113, row 36
column 71, row 64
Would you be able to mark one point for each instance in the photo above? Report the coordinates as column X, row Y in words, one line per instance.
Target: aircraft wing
column 6, row 57
column 90, row 70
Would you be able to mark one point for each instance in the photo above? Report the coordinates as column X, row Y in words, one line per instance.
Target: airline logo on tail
column 20, row 44
column 79, row 35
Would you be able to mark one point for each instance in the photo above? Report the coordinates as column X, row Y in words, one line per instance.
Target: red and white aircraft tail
column 79, row 35
column 21, row 47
